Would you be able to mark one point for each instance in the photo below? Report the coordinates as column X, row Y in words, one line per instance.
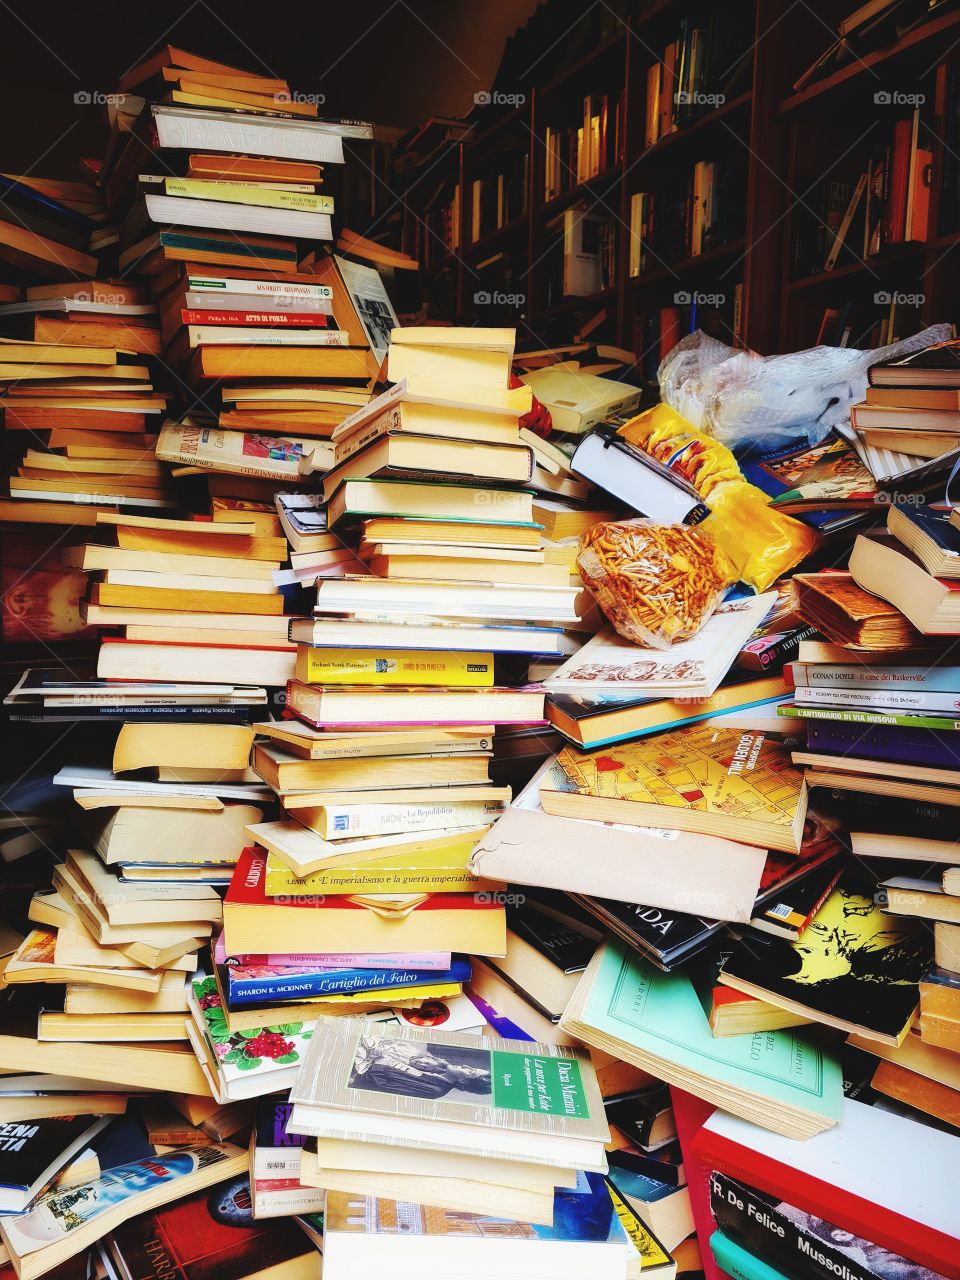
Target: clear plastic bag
column 742, row 398
column 656, row 583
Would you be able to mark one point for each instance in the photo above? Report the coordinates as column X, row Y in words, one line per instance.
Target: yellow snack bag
column 760, row 543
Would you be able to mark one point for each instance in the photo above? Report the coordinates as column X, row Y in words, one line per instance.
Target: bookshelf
column 779, row 167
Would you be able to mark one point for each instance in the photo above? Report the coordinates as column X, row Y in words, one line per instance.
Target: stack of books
column 196, row 599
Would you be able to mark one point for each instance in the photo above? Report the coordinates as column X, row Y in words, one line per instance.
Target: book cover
column 720, row 773
column 433, row 1075
column 667, row 938
column 241, row 1054
column 394, row 666
column 241, row 452
column 29, row 1149
column 797, row 1241
column 661, row 1014
column 211, row 1235
column 828, row 475
column 609, row 664
column 253, row 985
column 865, row 716
column 853, row 967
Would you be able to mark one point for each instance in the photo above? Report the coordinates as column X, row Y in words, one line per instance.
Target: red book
column 304, row 319
column 209, row 1236
column 690, row 1114
column 256, row 924
column 876, row 1174
column 896, row 215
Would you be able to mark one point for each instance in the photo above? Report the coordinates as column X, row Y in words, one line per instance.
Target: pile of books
column 399, row 894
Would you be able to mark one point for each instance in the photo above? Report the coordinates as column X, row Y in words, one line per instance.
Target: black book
column 798, row 1243
column 663, row 1165
column 645, row 1116
column 853, row 968
column 33, row 1151
column 666, row 938
column 568, row 948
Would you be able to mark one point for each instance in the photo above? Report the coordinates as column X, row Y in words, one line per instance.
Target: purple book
column 882, row 742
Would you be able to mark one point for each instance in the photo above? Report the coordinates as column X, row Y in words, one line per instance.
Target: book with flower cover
column 242, row 1064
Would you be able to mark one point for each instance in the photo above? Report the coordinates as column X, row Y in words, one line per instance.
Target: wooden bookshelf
column 754, row 282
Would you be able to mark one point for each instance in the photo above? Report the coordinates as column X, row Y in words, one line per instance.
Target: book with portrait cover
column 853, row 967
column 211, row 1235
column 444, row 1091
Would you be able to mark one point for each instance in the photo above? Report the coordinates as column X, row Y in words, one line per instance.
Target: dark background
column 394, row 62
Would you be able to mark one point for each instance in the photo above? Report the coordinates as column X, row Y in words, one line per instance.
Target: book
column 285, row 772
column 63, row 1223
column 400, row 456
column 275, row 1160
column 441, row 869
column 360, row 497
column 790, row 1238
column 636, row 478
column 880, row 564
column 221, row 1230
column 454, row 922
column 672, row 870
column 240, row 1064
column 388, row 667
column 852, row 616
column 439, row 635
column 33, row 1151
column 906, row 896
column 858, row 1187
column 586, row 1237
column 695, row 667
column 356, row 705
column 852, row 968
column 374, row 1083
column 654, row 1020
column 713, row 781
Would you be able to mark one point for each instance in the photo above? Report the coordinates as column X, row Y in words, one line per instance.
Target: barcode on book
column 340, row 822
column 781, row 910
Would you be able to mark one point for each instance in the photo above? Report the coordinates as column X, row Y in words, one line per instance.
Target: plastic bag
column 742, row 398
column 761, row 543
column 657, row 583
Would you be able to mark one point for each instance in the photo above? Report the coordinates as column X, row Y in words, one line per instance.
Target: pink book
column 298, row 961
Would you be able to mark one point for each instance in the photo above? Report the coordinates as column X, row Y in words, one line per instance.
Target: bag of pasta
column 656, row 583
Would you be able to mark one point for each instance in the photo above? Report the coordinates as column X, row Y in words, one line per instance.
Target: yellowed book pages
column 112, row 1028
column 209, row 746
column 76, row 946
column 131, row 800
column 33, row 961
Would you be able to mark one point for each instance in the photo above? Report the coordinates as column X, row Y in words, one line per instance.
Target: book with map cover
column 718, row 782
column 853, row 967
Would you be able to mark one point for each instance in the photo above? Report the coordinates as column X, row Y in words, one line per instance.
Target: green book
column 740, row 1263
column 655, row 1020
column 855, row 715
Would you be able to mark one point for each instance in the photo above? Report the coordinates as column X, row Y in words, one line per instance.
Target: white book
column 878, row 699
column 274, row 289
column 187, row 212
column 198, row 128
column 201, row 335
column 211, row 300
column 189, row 582
column 691, row 668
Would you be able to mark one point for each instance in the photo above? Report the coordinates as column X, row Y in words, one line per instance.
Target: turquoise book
column 778, row 1079
column 740, row 1263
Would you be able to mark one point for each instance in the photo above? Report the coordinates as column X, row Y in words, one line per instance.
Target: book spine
column 223, row 335
column 904, row 746
column 240, row 193
column 253, row 991
column 879, row 699
column 877, row 679
column 881, row 1225
column 280, row 882
column 773, row 651
column 378, row 820
column 395, row 667
column 436, row 962
column 264, row 288
column 850, row 715
column 751, row 1221
column 291, row 319
column 739, row 1263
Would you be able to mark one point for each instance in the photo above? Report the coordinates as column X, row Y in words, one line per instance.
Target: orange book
column 107, row 593
column 918, row 1091
column 335, row 364
column 252, row 169
column 99, row 333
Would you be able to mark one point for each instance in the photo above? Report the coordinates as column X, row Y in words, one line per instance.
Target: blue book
column 246, row 988
column 885, row 742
